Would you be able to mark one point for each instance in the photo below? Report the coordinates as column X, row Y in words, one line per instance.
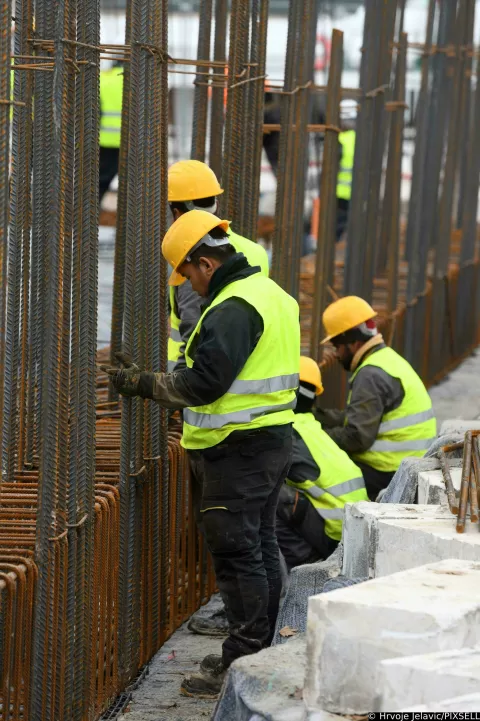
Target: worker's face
column 344, row 354
column 199, row 275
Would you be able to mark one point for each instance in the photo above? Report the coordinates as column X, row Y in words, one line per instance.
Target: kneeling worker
column 238, row 392
column 321, row 479
column 389, row 414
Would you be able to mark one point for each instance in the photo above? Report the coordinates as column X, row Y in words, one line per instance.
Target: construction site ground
column 158, row 698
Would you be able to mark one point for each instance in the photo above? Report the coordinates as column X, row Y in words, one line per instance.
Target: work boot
column 207, row 682
column 214, row 625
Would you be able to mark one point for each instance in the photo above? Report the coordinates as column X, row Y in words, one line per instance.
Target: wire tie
column 80, row 523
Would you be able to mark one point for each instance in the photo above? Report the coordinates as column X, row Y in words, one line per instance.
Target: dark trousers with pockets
column 108, row 168
column 235, row 490
column 301, row 529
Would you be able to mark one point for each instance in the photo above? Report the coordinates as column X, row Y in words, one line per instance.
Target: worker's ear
column 207, row 266
column 176, row 213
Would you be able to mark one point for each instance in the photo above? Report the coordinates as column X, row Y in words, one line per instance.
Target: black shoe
column 207, row 682
column 214, row 625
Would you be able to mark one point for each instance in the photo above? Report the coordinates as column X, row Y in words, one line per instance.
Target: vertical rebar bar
column 200, row 103
column 328, row 182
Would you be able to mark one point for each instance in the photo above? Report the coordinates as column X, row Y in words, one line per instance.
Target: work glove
column 126, row 379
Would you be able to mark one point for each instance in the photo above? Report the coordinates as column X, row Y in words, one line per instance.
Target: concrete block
column 453, row 705
column 350, row 631
column 431, row 486
column 266, row 685
column 455, row 425
column 429, row 678
column 360, row 532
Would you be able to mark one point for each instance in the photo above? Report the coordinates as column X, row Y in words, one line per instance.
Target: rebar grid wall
column 100, row 560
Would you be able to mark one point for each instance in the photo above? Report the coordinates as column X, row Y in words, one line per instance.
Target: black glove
column 125, row 379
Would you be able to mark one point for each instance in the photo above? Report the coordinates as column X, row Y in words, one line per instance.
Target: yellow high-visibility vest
column 345, row 171
column 264, row 393
column 111, row 94
column 340, row 480
column 409, row 429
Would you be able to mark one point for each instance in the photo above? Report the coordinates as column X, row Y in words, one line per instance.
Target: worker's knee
column 224, row 525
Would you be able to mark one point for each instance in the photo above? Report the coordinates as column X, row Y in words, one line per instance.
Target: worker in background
column 389, row 413
column 192, row 184
column 111, row 94
column 237, row 393
column 321, row 479
column 348, row 117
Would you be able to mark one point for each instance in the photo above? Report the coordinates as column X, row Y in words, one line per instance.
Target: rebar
column 324, row 268
column 200, row 104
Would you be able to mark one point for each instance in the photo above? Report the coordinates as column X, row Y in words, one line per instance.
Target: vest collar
column 235, row 268
column 365, row 350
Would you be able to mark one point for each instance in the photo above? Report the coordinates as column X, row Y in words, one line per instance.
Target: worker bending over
column 238, row 392
column 321, row 479
column 389, row 413
column 193, row 185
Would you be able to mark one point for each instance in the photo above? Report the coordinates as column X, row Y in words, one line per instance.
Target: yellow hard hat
column 310, row 373
column 345, row 314
column 191, row 180
column 183, row 235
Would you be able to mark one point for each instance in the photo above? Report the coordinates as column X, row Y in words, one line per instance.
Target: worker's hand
column 125, row 378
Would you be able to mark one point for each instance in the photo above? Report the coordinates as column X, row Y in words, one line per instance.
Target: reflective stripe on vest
column 410, row 429
column 340, row 480
column 264, row 393
column 203, row 420
column 175, row 335
column 406, row 421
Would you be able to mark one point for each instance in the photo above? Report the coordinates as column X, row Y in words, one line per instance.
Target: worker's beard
column 346, row 361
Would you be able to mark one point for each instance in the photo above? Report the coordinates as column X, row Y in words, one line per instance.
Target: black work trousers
column 301, row 530
column 235, row 492
column 375, row 481
column 343, row 207
column 108, row 168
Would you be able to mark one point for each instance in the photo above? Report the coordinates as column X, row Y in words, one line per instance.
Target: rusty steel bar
column 390, row 225
column 200, row 103
column 465, row 485
column 324, row 268
column 217, row 112
column 5, row 112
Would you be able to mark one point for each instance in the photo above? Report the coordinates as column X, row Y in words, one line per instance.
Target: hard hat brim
column 176, row 279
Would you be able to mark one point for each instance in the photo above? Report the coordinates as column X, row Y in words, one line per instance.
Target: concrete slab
column 431, row 486
column 429, row 678
column 350, row 631
column 360, row 531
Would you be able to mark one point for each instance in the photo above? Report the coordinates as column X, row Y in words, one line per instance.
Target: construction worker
column 321, row 479
column 192, row 184
column 348, row 115
column 389, row 413
column 111, row 93
column 237, row 393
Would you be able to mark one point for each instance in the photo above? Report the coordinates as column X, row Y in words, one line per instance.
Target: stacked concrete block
column 431, row 486
column 429, row 678
column 362, row 535
column 350, row 631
